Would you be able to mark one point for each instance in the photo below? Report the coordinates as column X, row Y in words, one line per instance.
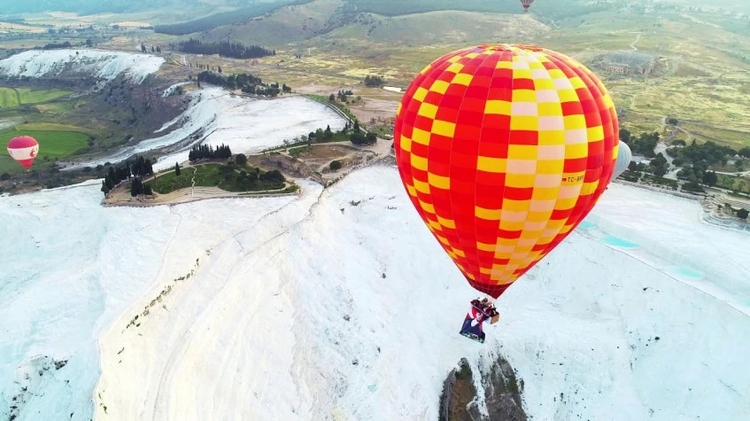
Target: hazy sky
column 97, row 6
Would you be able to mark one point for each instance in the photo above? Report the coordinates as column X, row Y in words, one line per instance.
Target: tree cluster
column 54, row 46
column 261, row 90
column 321, row 135
column 361, row 139
column 273, row 176
column 374, row 81
column 643, row 144
column 342, row 95
column 206, row 67
column 710, row 178
column 695, row 159
column 357, row 136
column 232, row 81
column 659, row 165
column 154, row 48
column 709, row 153
column 251, row 178
column 695, row 174
column 698, row 173
column 116, row 174
column 137, row 187
column 247, row 83
column 140, row 166
column 224, row 49
column 351, row 132
column 199, row 152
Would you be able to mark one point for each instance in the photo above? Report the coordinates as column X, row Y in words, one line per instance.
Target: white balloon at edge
column 624, row 155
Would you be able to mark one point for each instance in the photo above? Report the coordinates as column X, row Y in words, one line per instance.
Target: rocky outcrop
column 287, row 164
column 491, row 393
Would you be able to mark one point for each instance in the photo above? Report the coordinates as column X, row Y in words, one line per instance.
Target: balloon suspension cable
column 486, row 297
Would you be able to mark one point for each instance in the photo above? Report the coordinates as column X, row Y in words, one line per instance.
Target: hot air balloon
column 526, row 4
column 503, row 150
column 24, row 150
column 624, row 155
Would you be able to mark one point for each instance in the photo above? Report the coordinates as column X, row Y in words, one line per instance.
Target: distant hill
column 435, row 28
column 231, row 17
column 281, row 21
column 283, row 25
column 122, row 6
column 328, row 20
column 556, row 9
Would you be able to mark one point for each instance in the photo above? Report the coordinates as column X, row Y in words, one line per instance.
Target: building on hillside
column 631, row 63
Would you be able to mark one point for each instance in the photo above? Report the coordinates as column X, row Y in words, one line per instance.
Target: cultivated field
column 13, row 97
column 36, row 113
column 705, row 85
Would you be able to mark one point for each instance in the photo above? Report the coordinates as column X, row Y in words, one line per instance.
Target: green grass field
column 206, row 175
column 7, row 164
column 14, row 97
column 236, row 185
column 8, row 98
column 57, row 107
column 55, row 140
column 54, row 127
column 52, row 144
column 733, row 183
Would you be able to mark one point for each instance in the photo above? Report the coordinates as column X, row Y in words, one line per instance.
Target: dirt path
column 674, row 131
column 632, row 44
column 18, row 96
column 192, row 186
column 190, row 194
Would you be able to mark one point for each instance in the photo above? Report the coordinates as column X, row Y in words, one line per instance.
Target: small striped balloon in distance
column 24, row 150
column 503, row 150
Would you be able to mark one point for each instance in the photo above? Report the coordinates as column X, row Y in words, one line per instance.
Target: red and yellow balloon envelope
column 24, row 150
column 503, row 150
